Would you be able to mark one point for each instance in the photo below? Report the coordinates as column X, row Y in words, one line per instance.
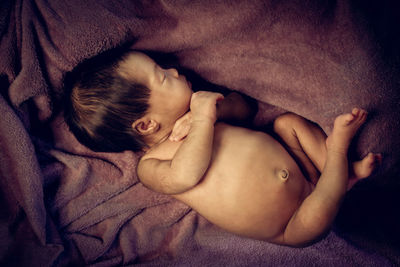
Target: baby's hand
column 181, row 127
column 203, row 105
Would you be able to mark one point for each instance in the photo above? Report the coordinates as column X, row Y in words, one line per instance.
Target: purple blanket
column 62, row 204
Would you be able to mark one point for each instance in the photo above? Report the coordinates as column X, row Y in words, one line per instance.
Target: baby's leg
column 363, row 168
column 318, row 210
column 307, row 143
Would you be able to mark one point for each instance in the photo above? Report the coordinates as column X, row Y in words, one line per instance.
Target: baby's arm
column 236, row 108
column 192, row 159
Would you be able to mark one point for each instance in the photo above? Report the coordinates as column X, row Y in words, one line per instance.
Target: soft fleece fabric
column 65, row 205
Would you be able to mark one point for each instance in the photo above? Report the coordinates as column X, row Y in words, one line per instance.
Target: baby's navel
column 283, row 174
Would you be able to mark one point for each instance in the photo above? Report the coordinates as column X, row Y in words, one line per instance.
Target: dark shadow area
column 370, row 214
column 4, row 84
column 382, row 18
column 370, row 218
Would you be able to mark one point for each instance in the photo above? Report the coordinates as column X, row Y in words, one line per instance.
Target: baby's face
column 170, row 92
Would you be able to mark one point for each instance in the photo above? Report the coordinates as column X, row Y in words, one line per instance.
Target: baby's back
column 252, row 186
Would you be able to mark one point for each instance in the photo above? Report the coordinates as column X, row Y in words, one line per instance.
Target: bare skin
column 249, row 195
column 331, row 153
column 306, row 142
column 244, row 181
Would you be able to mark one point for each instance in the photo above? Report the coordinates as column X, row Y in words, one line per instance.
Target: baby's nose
column 173, row 72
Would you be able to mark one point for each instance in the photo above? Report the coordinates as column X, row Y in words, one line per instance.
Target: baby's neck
column 158, row 138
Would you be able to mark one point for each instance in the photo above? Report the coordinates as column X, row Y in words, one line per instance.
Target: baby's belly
column 252, row 187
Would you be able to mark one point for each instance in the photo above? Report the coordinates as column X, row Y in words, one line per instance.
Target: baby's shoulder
column 150, row 154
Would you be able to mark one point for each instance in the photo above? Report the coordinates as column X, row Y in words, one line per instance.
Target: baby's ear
column 144, row 126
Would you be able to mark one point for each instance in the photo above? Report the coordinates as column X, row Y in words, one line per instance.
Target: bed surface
column 62, row 204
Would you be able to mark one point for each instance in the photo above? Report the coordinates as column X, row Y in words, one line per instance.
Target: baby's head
column 124, row 101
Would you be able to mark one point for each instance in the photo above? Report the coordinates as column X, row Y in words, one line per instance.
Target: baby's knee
column 287, row 121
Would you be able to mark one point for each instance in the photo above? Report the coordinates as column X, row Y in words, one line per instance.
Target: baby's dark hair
column 101, row 105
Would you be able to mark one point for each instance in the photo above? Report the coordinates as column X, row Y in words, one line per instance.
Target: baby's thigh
column 306, row 165
column 303, row 141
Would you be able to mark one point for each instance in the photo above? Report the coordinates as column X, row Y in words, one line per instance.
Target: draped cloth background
column 62, row 204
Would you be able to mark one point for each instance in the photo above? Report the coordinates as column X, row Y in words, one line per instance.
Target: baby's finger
column 175, row 132
column 181, row 129
column 182, row 133
column 219, row 97
column 179, row 134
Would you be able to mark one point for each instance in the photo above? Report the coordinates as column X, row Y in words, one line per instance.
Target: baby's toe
column 355, row 111
column 359, row 116
column 346, row 119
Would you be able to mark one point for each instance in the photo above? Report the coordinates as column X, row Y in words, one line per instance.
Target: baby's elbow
column 179, row 190
column 179, row 184
column 301, row 238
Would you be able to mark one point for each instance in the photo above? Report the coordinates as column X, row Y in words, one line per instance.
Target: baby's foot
column 363, row 168
column 344, row 129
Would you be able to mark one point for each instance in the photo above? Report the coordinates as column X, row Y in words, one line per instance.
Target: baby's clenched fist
column 203, row 105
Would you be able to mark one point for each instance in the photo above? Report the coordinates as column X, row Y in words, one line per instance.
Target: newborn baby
column 241, row 180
